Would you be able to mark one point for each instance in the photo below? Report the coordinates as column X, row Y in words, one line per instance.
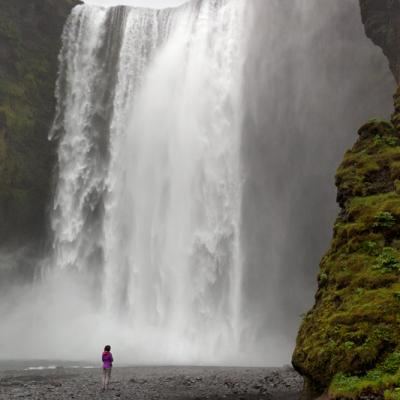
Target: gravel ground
column 150, row 383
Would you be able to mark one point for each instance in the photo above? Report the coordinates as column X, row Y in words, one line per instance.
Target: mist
column 312, row 79
column 195, row 191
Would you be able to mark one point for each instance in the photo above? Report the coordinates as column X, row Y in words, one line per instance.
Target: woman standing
column 107, row 359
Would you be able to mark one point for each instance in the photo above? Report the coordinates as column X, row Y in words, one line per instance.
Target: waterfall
column 147, row 209
column 194, row 190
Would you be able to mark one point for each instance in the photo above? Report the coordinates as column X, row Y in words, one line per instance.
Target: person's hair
column 107, row 348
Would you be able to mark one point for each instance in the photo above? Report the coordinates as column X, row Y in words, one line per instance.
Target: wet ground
column 150, row 383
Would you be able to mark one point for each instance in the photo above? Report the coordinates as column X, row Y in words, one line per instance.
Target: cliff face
column 381, row 19
column 348, row 345
column 350, row 340
column 30, row 35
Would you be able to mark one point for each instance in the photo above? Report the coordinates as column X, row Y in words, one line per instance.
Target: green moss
column 388, row 260
column 395, row 171
column 376, row 126
column 370, row 247
column 30, row 40
column 382, row 380
column 393, row 394
column 350, row 340
column 369, row 167
column 384, row 220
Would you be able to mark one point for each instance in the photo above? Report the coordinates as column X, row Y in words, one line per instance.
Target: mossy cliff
column 349, row 343
column 30, row 32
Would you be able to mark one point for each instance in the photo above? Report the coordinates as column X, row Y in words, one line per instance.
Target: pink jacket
column 107, row 360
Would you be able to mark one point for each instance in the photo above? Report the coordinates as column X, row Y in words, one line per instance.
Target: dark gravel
column 150, row 383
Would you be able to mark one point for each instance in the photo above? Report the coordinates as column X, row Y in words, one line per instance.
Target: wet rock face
column 30, row 39
column 381, row 19
column 350, row 340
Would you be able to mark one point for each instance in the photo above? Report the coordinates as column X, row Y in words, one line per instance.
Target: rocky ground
column 150, row 383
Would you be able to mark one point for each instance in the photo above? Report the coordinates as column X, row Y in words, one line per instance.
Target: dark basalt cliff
column 381, row 19
column 30, row 32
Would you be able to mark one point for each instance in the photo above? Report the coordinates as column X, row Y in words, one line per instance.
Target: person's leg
column 108, row 376
column 104, row 378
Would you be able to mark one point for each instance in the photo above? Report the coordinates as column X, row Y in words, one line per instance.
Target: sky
column 138, row 3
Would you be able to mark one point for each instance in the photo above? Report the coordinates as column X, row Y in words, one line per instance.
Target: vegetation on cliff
column 30, row 32
column 350, row 341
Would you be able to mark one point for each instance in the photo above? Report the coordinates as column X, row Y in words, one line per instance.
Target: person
column 107, row 359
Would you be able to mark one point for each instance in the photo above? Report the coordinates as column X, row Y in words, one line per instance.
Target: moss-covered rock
column 30, row 32
column 349, row 343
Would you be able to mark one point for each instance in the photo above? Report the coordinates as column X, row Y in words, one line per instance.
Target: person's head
column 107, row 348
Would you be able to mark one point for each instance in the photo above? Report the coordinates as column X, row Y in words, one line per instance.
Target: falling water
column 147, row 206
column 195, row 180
